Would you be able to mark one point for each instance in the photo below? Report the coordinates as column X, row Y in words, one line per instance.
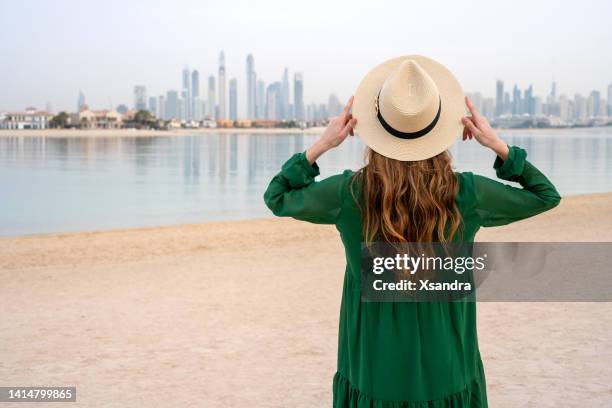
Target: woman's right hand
column 478, row 127
column 338, row 129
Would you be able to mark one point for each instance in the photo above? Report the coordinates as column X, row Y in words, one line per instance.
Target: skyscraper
column 285, row 96
column 251, row 87
column 298, row 96
column 580, row 107
column 529, row 101
column 310, row 112
column 610, row 100
column 211, row 98
column 140, row 97
column 488, row 108
column 334, row 107
column 153, row 106
column 222, row 103
column 186, row 95
column 161, row 107
column 499, row 98
column 172, row 105
column 516, row 100
column 274, row 101
column 563, row 108
column 260, row 103
column 595, row 97
column 81, row 101
column 507, row 104
column 476, row 99
column 233, row 99
column 322, row 112
column 195, row 105
column 180, row 112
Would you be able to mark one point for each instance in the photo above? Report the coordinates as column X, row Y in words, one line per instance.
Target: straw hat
column 409, row 108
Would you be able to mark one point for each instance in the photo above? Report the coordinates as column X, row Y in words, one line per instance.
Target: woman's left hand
column 478, row 127
column 336, row 132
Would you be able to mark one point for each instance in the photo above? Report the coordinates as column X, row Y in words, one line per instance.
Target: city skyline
column 509, row 109
column 283, row 100
column 67, row 45
column 280, row 100
column 192, row 77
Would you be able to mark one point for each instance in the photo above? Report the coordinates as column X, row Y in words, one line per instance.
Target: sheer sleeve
column 294, row 192
column 500, row 204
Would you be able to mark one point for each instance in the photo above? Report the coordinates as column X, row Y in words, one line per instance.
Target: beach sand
column 245, row 314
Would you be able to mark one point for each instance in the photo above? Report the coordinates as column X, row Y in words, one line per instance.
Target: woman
column 408, row 111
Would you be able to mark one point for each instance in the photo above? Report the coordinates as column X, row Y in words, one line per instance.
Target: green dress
column 404, row 355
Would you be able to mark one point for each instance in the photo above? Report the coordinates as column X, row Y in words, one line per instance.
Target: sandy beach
column 237, row 314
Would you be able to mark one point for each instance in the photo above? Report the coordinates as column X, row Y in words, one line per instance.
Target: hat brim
column 440, row 138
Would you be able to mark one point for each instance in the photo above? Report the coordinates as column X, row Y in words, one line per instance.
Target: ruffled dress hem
column 347, row 396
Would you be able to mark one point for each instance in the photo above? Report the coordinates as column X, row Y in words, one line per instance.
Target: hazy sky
column 51, row 49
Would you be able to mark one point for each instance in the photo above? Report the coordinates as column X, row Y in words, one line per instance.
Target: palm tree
column 144, row 118
column 60, row 120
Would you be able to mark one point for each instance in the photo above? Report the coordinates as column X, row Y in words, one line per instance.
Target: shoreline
column 226, row 223
column 94, row 133
column 54, row 133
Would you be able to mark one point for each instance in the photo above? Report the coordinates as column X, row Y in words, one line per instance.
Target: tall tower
column 334, row 107
column 516, row 100
column 153, row 106
column 161, row 107
column 186, row 95
column 499, row 98
column 260, row 101
column 563, row 108
column 233, row 99
column 81, row 101
column 284, row 111
column 610, row 100
column 580, row 107
column 251, row 87
column 140, row 97
column 273, row 101
column 529, row 101
column 196, row 113
column 222, row 93
column 211, row 98
column 596, row 95
column 171, row 108
column 298, row 96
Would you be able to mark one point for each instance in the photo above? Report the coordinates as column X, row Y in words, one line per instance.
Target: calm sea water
column 76, row 184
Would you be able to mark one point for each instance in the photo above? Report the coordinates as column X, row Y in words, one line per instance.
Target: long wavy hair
column 408, row 201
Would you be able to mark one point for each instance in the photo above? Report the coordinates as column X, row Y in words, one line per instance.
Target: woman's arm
column 500, row 204
column 497, row 203
column 293, row 192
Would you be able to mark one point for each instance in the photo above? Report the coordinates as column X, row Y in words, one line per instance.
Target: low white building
column 30, row 119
